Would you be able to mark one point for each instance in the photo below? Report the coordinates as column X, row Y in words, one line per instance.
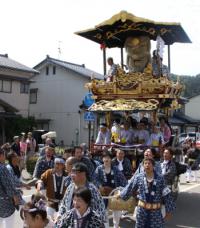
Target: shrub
column 30, row 165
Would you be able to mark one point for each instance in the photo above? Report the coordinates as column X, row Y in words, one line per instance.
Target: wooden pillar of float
column 104, row 61
column 122, row 58
column 108, row 119
column 169, row 60
column 154, row 117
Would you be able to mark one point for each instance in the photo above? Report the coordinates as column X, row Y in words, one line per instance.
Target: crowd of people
column 73, row 190
column 130, row 132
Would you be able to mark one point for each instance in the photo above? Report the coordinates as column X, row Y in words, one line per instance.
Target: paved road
column 187, row 214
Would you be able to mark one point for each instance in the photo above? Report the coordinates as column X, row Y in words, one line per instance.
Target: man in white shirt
column 104, row 136
column 123, row 163
column 112, row 71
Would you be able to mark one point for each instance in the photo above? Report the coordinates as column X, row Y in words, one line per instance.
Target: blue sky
column 31, row 29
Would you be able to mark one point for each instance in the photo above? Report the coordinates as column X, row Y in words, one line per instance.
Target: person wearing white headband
column 53, row 181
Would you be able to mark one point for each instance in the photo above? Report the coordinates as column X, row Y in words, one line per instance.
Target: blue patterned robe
column 127, row 168
column 42, row 165
column 157, row 168
column 159, row 193
column 97, row 203
column 118, row 177
column 89, row 165
column 68, row 220
column 7, row 191
column 17, row 183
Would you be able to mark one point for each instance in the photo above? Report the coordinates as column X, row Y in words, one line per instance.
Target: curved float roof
column 114, row 31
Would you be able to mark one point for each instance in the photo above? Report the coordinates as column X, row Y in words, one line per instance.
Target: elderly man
column 53, row 180
column 151, row 192
column 8, row 195
column 48, row 141
column 123, row 163
column 78, row 154
column 44, row 163
column 79, row 177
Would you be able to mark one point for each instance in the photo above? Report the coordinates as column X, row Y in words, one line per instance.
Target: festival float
column 143, row 85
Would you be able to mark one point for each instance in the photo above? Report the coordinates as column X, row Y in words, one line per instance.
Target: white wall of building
column 58, row 99
column 192, row 108
column 16, row 99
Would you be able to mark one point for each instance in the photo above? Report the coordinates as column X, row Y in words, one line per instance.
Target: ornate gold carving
column 134, row 85
column 124, row 104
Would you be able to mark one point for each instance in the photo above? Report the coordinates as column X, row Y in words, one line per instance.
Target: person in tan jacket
column 53, row 181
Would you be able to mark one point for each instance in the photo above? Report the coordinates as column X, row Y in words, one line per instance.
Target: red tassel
column 102, row 46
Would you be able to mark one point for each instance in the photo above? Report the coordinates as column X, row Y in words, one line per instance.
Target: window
column 47, row 70
column 33, row 96
column 54, row 69
column 6, row 86
column 24, row 87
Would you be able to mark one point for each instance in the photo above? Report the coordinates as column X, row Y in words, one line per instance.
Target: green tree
column 18, row 125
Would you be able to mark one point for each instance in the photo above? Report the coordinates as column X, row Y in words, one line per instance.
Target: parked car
column 193, row 135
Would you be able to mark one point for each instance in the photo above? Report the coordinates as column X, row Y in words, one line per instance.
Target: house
column 14, row 83
column 55, row 98
column 192, row 107
column 14, row 90
column 186, row 119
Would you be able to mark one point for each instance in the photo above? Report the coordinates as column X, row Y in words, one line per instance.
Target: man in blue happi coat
column 151, row 193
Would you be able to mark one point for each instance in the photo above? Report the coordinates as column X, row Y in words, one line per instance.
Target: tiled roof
column 185, row 118
column 6, row 62
column 80, row 69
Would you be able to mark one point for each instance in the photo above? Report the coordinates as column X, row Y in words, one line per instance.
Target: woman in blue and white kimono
column 151, row 193
column 107, row 178
column 80, row 178
column 81, row 216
